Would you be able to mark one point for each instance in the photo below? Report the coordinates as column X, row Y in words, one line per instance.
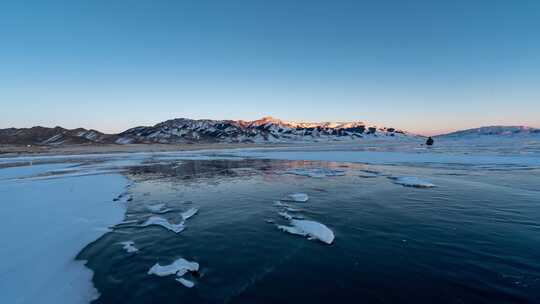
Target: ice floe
column 296, row 197
column 412, row 181
column 316, row 172
column 179, row 268
column 311, row 229
column 129, row 246
column 159, row 221
column 299, row 226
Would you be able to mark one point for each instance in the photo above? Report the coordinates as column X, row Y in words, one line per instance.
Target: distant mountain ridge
column 266, row 129
column 52, row 136
column 185, row 130
column 493, row 131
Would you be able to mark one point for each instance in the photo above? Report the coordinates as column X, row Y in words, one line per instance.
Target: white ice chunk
column 159, row 221
column 186, row 283
column 178, row 267
column 297, row 197
column 311, row 229
column 129, row 246
column 412, row 181
column 191, row 212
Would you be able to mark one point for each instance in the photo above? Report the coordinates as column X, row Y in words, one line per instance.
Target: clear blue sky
column 424, row 66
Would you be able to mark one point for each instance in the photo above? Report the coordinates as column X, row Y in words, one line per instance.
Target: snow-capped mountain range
column 500, row 131
column 267, row 129
column 184, row 130
column 264, row 130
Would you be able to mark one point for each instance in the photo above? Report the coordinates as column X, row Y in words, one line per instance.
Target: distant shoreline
column 20, row 150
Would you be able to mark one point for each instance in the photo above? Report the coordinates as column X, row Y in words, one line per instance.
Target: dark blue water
column 475, row 238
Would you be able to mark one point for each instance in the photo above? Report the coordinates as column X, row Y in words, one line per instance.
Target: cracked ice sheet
column 37, row 262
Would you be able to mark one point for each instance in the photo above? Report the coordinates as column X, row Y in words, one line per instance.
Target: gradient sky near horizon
column 423, row 66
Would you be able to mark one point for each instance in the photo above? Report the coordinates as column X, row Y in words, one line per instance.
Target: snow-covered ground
column 43, row 225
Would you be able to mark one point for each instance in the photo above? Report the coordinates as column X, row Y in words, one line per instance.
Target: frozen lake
column 280, row 226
